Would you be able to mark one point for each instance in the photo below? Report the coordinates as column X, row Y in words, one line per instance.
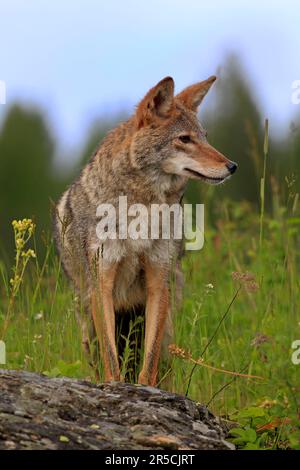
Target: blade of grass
column 212, row 337
column 263, row 183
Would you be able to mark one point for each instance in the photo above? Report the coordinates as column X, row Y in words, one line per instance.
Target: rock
column 37, row 412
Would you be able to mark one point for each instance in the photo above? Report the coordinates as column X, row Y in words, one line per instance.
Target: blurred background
column 74, row 69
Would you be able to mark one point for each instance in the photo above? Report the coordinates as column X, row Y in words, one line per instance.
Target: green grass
column 261, row 310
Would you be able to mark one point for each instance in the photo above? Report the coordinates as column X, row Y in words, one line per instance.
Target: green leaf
column 237, row 431
column 243, row 435
column 55, row 372
column 294, row 440
column 250, row 435
column 64, row 369
column 251, row 412
column 251, row 446
column 238, row 441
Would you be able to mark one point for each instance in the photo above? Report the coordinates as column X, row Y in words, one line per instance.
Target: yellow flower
column 19, row 243
column 28, row 254
column 23, row 225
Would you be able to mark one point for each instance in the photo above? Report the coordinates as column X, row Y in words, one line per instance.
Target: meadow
column 233, row 331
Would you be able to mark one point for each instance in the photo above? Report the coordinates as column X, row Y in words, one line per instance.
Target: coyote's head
column 169, row 136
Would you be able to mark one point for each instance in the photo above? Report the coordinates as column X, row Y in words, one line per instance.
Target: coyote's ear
column 192, row 96
column 157, row 103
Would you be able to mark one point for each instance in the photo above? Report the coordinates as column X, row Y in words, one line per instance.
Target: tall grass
column 240, row 313
column 263, row 183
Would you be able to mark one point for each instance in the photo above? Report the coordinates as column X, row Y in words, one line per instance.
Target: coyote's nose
column 231, row 167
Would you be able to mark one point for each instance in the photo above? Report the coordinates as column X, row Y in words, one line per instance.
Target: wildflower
column 209, row 288
column 242, row 277
column 260, row 339
column 39, row 316
column 29, row 254
column 15, row 280
column 23, row 225
column 36, row 338
column 181, row 353
column 177, row 351
column 23, row 230
column 267, row 403
column 27, row 359
column 246, row 279
column 19, row 243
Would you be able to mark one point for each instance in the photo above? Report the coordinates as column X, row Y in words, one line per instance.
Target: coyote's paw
column 144, row 379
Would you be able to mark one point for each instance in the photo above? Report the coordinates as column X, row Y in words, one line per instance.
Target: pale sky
column 78, row 59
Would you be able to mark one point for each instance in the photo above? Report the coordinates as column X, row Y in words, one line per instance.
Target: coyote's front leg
column 104, row 321
column 157, row 307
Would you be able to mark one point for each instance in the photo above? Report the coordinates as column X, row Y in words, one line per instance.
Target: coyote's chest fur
column 129, row 288
column 80, row 247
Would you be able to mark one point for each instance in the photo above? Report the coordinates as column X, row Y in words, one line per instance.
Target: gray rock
column 37, row 412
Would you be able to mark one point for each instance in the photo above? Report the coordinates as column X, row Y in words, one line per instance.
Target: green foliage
column 129, row 357
column 266, row 426
column 64, row 369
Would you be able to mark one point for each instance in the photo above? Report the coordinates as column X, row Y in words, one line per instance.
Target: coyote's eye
column 185, row 139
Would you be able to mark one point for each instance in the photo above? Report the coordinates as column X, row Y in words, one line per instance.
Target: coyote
column 149, row 158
